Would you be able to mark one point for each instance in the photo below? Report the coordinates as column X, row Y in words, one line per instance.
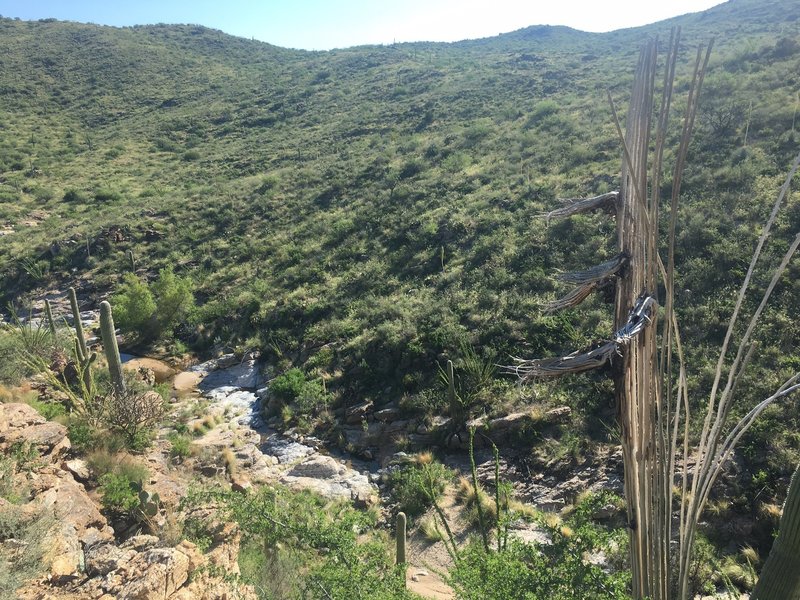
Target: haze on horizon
column 324, row 25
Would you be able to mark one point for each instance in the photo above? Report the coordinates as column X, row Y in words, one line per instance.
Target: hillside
column 366, row 214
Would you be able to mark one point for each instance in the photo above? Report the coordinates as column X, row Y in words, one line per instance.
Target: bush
column 416, row 487
column 181, row 445
column 118, row 495
column 132, row 414
column 288, row 386
column 528, row 572
column 81, row 434
column 153, row 311
column 292, row 386
column 296, row 545
column 555, row 571
column 174, row 300
column 134, row 306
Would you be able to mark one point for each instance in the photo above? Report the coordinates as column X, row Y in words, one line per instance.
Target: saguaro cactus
column 109, row 336
column 780, row 578
column 400, row 536
column 50, row 322
column 82, row 351
column 83, row 357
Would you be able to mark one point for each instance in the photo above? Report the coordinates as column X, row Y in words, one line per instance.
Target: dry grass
column 770, row 511
column 423, row 458
column 430, row 530
column 229, row 460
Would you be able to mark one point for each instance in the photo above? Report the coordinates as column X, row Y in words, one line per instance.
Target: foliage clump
column 569, row 565
column 417, row 486
column 298, row 545
column 151, row 311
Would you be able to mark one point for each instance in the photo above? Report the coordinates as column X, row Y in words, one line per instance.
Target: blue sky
column 322, row 25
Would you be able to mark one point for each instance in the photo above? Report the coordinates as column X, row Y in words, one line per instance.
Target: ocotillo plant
column 452, row 397
column 651, row 393
column 109, row 336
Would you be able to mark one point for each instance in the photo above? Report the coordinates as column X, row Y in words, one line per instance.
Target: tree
column 134, row 305
column 152, row 311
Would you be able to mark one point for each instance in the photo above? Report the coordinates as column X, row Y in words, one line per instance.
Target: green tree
column 134, row 306
column 173, row 296
column 151, row 311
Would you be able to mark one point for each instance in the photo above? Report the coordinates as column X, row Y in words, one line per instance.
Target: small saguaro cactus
column 83, row 351
column 132, row 261
column 50, row 322
column 400, row 536
column 109, row 336
column 84, row 368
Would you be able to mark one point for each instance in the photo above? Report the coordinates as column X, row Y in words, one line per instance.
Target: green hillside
column 366, row 214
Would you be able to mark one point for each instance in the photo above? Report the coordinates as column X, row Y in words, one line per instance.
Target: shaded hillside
column 365, row 214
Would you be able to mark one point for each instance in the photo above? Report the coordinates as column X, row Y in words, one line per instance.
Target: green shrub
column 82, row 435
column 174, row 300
column 297, row 544
column 152, row 311
column 117, row 493
column 416, row 487
column 72, row 195
column 107, row 195
column 49, row 410
column 134, row 306
column 288, row 386
column 181, row 445
column 292, row 386
column 196, row 531
column 312, row 398
column 531, row 572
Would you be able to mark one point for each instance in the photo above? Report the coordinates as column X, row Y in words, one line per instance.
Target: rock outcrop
column 82, row 559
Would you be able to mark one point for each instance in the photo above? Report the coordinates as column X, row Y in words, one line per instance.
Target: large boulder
column 157, row 573
column 16, row 415
column 57, row 491
column 77, row 521
column 22, row 424
column 330, row 479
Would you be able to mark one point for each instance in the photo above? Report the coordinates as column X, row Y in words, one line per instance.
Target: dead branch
column 600, row 354
column 607, row 201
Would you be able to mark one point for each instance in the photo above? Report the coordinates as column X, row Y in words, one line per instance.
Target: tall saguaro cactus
column 109, row 336
column 780, row 577
column 652, row 393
